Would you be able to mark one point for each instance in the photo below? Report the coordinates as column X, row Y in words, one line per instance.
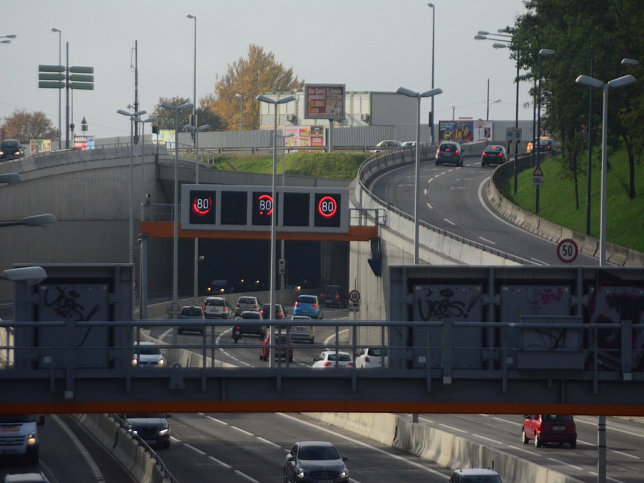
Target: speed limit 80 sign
column 567, row 250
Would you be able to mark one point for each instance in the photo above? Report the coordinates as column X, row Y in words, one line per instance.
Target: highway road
column 453, row 198
column 68, row 454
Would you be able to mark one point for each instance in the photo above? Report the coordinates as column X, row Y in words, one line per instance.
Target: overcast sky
column 369, row 45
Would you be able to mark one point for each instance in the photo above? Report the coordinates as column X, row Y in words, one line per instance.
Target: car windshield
column 557, row 417
column 318, row 453
column 17, row 418
column 339, row 357
column 303, row 299
column 148, row 350
column 191, row 311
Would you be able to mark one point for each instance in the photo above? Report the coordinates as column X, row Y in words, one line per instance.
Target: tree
column 260, row 72
column 578, row 30
column 165, row 117
column 24, row 126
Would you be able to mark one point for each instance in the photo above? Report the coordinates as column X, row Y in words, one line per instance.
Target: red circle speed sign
column 567, row 250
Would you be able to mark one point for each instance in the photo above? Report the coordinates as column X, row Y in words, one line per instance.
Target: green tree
column 24, row 126
column 249, row 77
column 165, row 117
column 578, row 30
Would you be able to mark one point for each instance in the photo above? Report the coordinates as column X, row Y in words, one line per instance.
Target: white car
column 302, row 332
column 217, row 307
column 147, row 354
column 329, row 359
column 372, row 357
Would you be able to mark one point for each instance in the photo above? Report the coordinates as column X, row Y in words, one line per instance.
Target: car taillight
column 499, row 155
column 327, row 364
column 297, row 304
column 456, row 151
column 337, row 296
column 255, row 307
column 204, row 307
column 438, row 151
column 366, row 359
column 349, row 364
column 225, row 309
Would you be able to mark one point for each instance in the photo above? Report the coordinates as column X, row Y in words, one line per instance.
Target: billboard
column 304, row 136
column 324, row 101
column 461, row 131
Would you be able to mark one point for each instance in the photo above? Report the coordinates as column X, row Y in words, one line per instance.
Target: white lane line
column 243, row 431
column 488, row 439
column 624, row 454
column 361, row 443
column 614, row 479
column 540, row 262
column 245, row 476
column 98, row 475
column 452, row 428
column 196, row 450
column 264, row 440
column 218, row 421
column 486, row 240
column 565, row 464
column 449, row 221
column 429, row 206
column 219, row 462
column 521, row 450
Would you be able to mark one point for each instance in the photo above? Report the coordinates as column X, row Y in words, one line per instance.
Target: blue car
column 308, row 305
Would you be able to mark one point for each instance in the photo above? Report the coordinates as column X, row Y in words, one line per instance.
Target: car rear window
column 557, row 417
column 494, row 149
column 191, row 311
column 306, row 299
column 246, row 300
column 448, row 146
column 251, row 315
column 216, row 302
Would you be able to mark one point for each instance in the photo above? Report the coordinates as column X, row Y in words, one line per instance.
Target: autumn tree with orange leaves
column 251, row 76
column 24, row 126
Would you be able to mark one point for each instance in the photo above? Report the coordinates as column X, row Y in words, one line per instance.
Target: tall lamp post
column 143, row 265
column 241, row 110
column 431, row 120
column 504, row 43
column 275, row 103
column 195, row 131
column 596, row 83
column 134, row 117
column 194, row 76
column 418, row 95
column 60, row 60
column 175, row 212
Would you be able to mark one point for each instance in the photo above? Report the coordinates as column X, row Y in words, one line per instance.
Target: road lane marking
column 361, row 443
column 247, row 433
column 486, row 240
column 449, row 221
column 196, row 450
column 264, row 440
column 245, row 476
column 566, row 464
column 452, row 428
column 219, row 462
column 488, row 439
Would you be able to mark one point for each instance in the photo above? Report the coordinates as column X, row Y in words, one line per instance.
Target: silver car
column 217, row 307
column 247, row 302
column 302, row 332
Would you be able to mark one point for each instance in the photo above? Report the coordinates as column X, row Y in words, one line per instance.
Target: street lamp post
column 196, row 130
column 596, row 83
column 487, row 113
column 431, row 122
column 409, row 93
column 175, row 213
column 194, row 76
column 60, row 32
column 542, row 52
column 275, row 102
column 143, row 265
column 134, row 117
column 241, row 111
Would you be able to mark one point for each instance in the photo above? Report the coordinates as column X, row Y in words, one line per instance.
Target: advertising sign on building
column 304, row 136
column 40, row 146
column 461, row 131
column 324, row 101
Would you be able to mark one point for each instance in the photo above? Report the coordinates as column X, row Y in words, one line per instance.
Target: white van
column 19, row 435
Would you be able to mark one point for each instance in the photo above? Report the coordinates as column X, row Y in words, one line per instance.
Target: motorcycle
column 236, row 333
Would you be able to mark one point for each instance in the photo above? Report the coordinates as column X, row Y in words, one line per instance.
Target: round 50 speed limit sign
column 567, row 250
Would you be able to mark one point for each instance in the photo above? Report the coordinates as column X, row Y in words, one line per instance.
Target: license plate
column 558, row 428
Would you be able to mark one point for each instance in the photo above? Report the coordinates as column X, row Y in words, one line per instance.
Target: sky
column 368, row 45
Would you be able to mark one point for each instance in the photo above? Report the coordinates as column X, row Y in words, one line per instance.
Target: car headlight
column 299, row 472
column 134, row 362
column 32, row 439
column 161, row 362
column 344, row 473
column 163, row 432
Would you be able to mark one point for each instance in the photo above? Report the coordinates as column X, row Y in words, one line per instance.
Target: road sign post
column 537, row 176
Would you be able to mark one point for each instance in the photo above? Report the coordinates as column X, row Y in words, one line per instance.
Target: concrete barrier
column 441, row 447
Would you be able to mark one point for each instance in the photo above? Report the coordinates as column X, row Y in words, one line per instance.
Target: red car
column 281, row 341
column 549, row 428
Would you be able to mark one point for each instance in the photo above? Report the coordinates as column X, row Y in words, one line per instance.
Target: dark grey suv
column 449, row 152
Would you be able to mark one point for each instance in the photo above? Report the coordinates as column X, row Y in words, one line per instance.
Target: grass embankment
column 625, row 216
column 320, row 165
